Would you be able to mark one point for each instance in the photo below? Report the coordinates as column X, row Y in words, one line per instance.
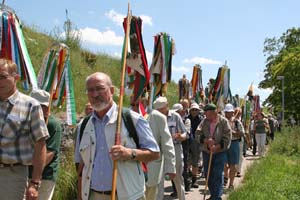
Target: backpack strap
column 126, row 116
column 130, row 125
column 83, row 125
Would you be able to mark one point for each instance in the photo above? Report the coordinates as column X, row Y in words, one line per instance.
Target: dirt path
column 197, row 193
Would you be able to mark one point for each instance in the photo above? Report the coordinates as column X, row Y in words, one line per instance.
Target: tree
column 283, row 59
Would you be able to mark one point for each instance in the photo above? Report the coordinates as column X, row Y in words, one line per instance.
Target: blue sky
column 205, row 32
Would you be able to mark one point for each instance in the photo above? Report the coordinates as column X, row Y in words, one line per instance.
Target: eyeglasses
column 2, row 77
column 96, row 89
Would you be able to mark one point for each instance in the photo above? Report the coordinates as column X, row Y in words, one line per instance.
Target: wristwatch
column 35, row 184
column 133, row 154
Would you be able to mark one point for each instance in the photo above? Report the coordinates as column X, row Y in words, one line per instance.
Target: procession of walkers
column 124, row 152
column 181, row 143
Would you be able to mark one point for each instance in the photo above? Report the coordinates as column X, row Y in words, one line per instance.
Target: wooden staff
column 208, row 172
column 119, row 119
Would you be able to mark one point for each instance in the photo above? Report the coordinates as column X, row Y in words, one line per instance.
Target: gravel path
column 197, row 193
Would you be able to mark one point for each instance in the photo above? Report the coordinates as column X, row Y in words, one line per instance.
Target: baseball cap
column 160, row 102
column 228, row 108
column 177, row 106
column 195, row 106
column 210, row 106
column 42, row 96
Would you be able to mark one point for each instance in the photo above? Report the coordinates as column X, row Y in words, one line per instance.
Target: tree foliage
column 283, row 59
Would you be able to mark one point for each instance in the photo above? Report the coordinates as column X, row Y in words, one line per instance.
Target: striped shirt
column 21, row 125
column 175, row 125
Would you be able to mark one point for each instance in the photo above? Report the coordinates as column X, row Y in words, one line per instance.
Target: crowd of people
column 182, row 144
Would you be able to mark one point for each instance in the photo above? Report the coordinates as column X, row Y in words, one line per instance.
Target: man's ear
column 112, row 90
column 17, row 77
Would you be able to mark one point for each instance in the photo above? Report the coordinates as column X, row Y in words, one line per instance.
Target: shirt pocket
column 172, row 127
column 14, row 126
column 85, row 152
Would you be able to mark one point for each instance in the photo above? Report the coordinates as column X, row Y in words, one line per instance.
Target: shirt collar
column 107, row 115
column 13, row 98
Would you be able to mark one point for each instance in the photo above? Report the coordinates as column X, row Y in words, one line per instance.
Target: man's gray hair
column 100, row 75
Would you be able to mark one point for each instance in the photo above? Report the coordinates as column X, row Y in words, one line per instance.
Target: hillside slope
column 38, row 44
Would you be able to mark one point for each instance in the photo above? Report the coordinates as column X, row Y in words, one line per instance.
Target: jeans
column 216, row 177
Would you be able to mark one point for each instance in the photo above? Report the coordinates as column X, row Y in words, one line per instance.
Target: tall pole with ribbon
column 161, row 67
column 55, row 77
column 13, row 46
column 119, row 119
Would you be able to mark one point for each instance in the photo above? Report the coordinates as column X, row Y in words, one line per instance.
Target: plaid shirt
column 21, row 125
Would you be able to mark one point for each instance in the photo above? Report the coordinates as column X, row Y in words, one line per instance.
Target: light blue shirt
column 102, row 167
column 101, row 179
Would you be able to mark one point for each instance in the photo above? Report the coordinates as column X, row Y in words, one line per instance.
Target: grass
column 66, row 184
column 277, row 175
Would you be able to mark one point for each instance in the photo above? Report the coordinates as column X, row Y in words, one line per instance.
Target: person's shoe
column 194, row 184
column 200, row 169
column 231, row 187
column 173, row 194
column 238, row 174
column 225, row 181
column 187, row 186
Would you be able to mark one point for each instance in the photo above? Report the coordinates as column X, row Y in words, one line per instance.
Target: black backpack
column 126, row 116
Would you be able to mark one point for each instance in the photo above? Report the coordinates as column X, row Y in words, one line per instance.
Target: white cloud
column 146, row 20
column 181, row 69
column 263, row 93
column 117, row 55
column 56, row 21
column 94, row 36
column 118, row 18
column 201, row 60
column 149, row 56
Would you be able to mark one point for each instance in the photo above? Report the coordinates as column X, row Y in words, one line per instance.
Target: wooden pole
column 208, row 172
column 119, row 119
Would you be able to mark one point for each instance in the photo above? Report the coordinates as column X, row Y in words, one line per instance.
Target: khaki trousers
column 96, row 196
column 46, row 190
column 151, row 192
column 13, row 182
column 178, row 180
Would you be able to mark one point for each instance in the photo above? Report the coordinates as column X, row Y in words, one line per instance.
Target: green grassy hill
column 38, row 44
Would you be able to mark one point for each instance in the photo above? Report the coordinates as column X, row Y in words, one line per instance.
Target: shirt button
column 93, row 143
column 87, row 178
column 85, row 194
column 91, row 161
